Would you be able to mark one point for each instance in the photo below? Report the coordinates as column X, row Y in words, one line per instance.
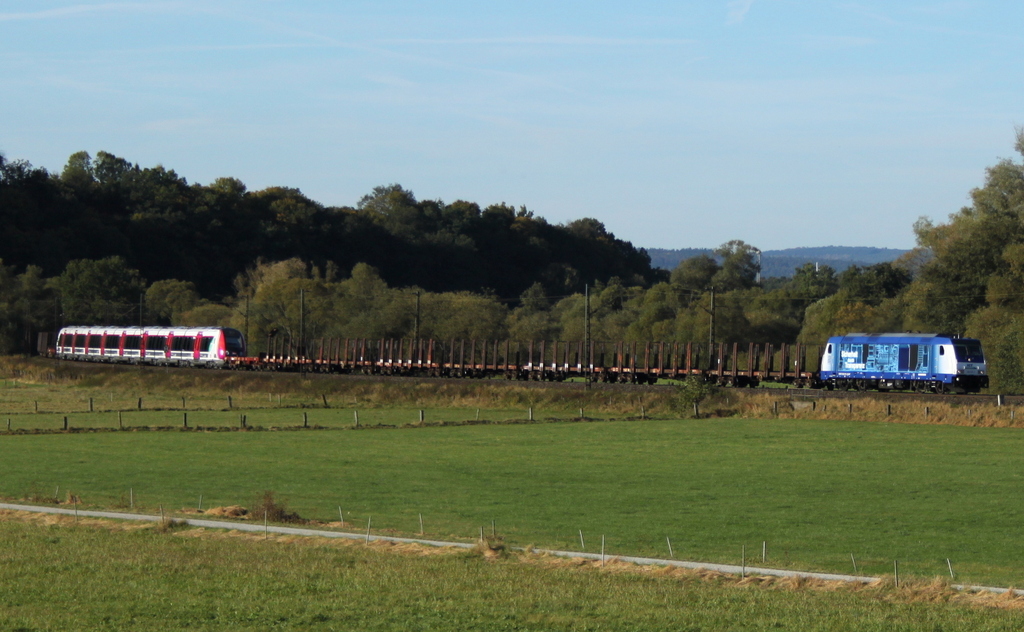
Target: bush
column 274, row 510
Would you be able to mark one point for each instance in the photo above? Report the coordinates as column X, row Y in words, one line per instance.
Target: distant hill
column 782, row 263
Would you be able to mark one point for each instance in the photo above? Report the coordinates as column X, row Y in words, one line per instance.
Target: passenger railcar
column 900, row 361
column 182, row 346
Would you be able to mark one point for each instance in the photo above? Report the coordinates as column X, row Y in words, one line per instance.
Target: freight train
column 919, row 362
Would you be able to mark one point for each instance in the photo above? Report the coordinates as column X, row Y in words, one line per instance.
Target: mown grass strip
column 61, row 575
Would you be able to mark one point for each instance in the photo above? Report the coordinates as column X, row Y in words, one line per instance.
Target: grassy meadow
column 59, row 575
column 816, row 491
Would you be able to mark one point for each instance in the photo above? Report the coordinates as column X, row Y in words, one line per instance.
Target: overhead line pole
column 586, row 336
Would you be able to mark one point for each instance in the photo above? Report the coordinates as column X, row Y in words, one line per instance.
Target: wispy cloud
column 78, row 9
column 838, row 42
column 738, row 10
column 547, row 40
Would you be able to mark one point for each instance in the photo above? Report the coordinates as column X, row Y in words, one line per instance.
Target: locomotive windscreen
column 968, row 351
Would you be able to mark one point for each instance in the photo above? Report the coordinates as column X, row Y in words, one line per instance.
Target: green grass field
column 67, row 576
column 815, row 491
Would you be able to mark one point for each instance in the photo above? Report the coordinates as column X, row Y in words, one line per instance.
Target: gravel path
column 644, row 561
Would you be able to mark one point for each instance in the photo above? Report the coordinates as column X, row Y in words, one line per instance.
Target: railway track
column 782, row 391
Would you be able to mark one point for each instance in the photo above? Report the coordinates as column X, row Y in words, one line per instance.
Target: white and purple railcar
column 184, row 346
column 904, row 361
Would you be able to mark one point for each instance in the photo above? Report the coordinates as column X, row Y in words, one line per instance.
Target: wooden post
column 305, row 420
column 65, row 423
column 323, row 396
column 229, row 402
column 90, row 405
column 671, row 555
column 184, row 420
column 140, row 403
column 120, row 424
column 356, row 414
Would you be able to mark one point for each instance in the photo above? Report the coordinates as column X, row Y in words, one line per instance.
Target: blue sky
column 677, row 124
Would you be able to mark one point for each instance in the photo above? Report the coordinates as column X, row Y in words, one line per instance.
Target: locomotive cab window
column 968, row 351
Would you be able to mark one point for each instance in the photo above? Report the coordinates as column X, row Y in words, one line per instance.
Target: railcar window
column 132, row 342
column 181, row 343
column 63, row 340
column 968, row 352
column 156, row 343
column 94, row 341
column 113, row 342
column 204, row 344
column 79, row 340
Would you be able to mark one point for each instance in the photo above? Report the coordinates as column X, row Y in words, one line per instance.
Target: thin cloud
column 738, row 10
column 78, row 9
column 549, row 40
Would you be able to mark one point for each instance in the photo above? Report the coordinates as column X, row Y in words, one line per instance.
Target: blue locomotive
column 917, row 362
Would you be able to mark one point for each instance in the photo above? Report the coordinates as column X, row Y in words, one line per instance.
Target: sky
column 677, row 124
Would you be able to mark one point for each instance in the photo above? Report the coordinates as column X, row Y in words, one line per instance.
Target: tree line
column 108, row 242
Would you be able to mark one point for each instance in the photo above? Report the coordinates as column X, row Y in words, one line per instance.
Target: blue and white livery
column 904, row 361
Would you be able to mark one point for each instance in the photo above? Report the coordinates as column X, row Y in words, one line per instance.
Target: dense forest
column 108, row 242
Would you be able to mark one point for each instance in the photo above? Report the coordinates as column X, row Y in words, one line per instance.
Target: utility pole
column 142, row 303
column 247, row 321
column 586, row 336
column 711, row 332
column 417, row 332
column 302, row 331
